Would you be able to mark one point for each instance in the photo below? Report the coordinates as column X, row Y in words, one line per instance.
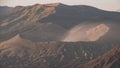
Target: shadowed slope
column 4, row 10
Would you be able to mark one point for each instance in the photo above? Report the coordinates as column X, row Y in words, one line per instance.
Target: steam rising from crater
column 86, row 33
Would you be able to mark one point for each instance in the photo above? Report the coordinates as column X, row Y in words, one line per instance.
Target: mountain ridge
column 64, row 16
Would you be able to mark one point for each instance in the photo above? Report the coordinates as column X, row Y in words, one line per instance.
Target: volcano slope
column 53, row 22
column 21, row 53
column 110, row 59
column 39, row 36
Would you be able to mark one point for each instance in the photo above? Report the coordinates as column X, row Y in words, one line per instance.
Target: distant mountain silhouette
column 4, row 10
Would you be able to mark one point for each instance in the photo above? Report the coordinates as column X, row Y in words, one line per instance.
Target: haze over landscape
column 66, row 34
